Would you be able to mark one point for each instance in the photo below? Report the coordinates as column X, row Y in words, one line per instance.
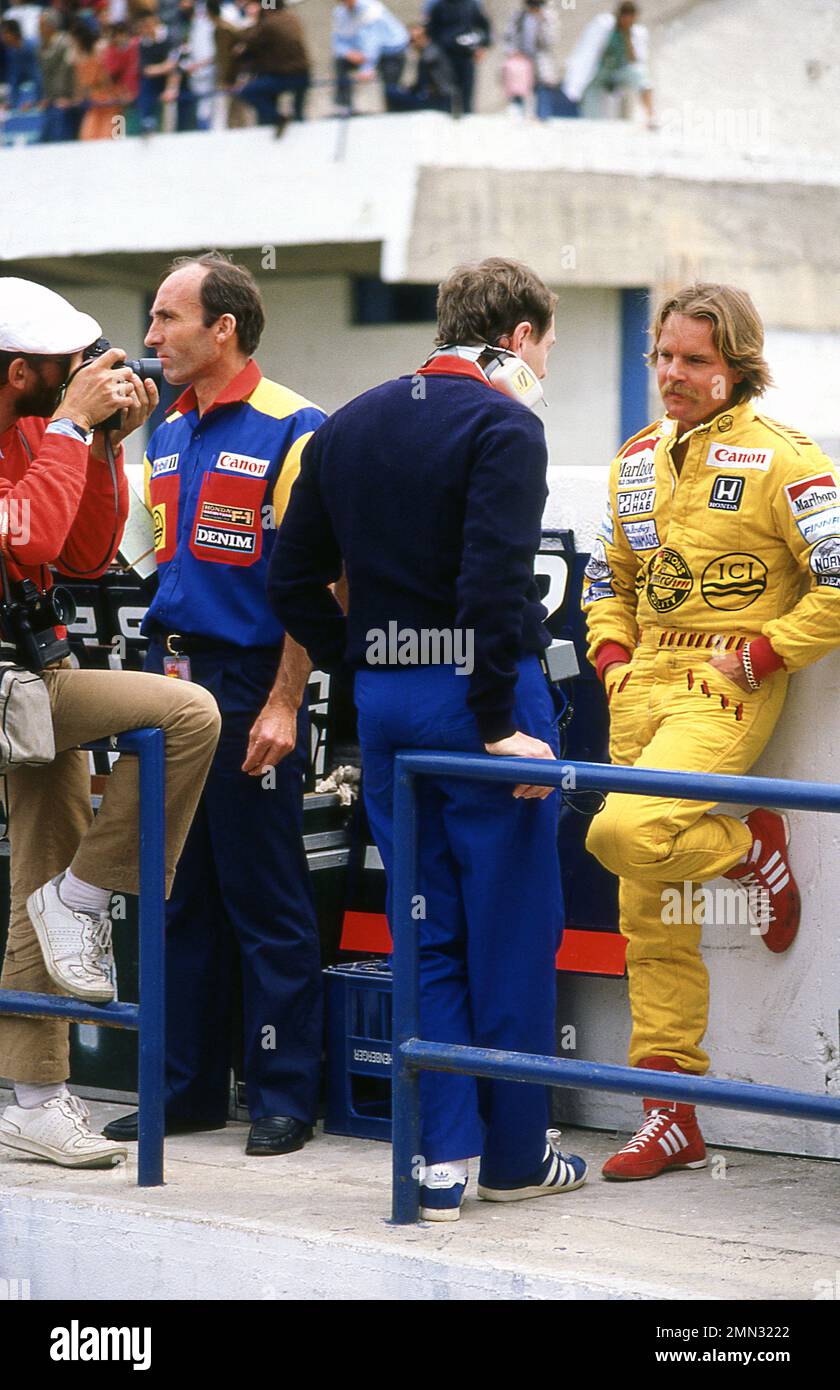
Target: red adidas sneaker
column 768, row 878
column 669, row 1138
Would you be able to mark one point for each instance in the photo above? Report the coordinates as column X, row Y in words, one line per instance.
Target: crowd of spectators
column 92, row 69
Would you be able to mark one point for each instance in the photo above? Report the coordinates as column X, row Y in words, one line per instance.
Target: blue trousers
column 262, row 92
column 242, row 883
column 149, row 99
column 490, row 875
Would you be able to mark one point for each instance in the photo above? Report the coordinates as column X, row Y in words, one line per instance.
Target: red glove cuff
column 605, row 655
column 764, row 660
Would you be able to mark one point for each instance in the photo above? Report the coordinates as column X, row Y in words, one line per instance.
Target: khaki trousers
column 51, row 824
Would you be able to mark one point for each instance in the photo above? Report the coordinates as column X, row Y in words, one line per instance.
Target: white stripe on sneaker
column 772, row 875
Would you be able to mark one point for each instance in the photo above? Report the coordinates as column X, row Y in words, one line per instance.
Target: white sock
column 457, row 1168
column 81, row 896
column 28, row 1097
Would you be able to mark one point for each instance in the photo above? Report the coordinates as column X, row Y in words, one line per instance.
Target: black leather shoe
column 124, row 1129
column 277, row 1134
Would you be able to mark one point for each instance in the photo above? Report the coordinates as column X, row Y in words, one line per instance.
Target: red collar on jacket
column 453, row 366
column 236, row 390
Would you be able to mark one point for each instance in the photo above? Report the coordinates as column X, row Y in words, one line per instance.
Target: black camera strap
column 7, row 592
column 5, row 637
column 112, row 465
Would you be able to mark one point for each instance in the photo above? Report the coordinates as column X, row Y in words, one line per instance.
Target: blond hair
column 737, row 331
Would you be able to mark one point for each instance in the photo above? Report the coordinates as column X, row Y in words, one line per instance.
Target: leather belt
column 196, row 644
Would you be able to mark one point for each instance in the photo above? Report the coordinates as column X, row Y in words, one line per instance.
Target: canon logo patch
column 728, row 456
column 243, row 463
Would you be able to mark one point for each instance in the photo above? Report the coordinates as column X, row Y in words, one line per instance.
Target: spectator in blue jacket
column 367, row 39
column 22, row 72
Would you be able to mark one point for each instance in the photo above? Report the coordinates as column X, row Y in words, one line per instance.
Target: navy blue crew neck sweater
column 431, row 490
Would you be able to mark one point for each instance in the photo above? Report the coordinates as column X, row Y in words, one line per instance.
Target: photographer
column 63, row 503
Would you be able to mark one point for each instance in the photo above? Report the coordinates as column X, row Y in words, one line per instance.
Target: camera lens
column 147, row 368
column 64, row 605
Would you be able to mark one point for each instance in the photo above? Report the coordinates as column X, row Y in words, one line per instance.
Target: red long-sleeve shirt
column 57, row 504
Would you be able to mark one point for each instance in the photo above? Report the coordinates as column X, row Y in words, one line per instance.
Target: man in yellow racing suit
column 716, row 573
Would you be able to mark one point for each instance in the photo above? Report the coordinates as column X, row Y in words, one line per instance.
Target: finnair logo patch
column 729, row 456
column 244, row 464
column 817, row 527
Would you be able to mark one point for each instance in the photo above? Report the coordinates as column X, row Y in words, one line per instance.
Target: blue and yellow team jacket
column 217, row 487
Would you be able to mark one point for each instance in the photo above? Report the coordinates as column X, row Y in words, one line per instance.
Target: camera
column 147, row 368
column 29, row 617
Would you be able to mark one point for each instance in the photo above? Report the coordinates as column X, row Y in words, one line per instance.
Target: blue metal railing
column 148, row 1016
column 412, row 1055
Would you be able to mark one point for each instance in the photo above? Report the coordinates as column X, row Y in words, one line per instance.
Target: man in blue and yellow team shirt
column 219, row 470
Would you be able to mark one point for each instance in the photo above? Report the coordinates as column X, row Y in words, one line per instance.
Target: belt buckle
column 174, row 637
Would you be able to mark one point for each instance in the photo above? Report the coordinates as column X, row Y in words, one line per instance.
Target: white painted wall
column 806, row 369
column 773, row 1019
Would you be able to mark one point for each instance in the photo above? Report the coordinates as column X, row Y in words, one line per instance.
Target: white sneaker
column 58, row 1130
column 76, row 946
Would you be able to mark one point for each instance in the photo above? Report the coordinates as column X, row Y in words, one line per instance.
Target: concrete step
column 314, row 1225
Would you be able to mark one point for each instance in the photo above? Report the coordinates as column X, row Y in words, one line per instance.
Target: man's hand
column 612, row 667
column 272, row 737
column 97, row 390
column 523, row 746
column 143, row 399
column 732, row 668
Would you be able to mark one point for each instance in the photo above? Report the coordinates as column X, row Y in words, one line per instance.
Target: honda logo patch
column 726, row 493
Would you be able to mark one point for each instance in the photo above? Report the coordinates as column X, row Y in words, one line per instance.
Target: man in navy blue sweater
column 429, row 492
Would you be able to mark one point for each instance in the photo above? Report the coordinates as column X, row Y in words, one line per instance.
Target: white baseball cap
column 39, row 321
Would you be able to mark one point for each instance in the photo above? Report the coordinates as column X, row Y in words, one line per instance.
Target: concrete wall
column 774, row 1019
column 311, row 343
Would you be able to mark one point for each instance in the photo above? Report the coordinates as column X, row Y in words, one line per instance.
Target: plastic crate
column 359, row 1041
